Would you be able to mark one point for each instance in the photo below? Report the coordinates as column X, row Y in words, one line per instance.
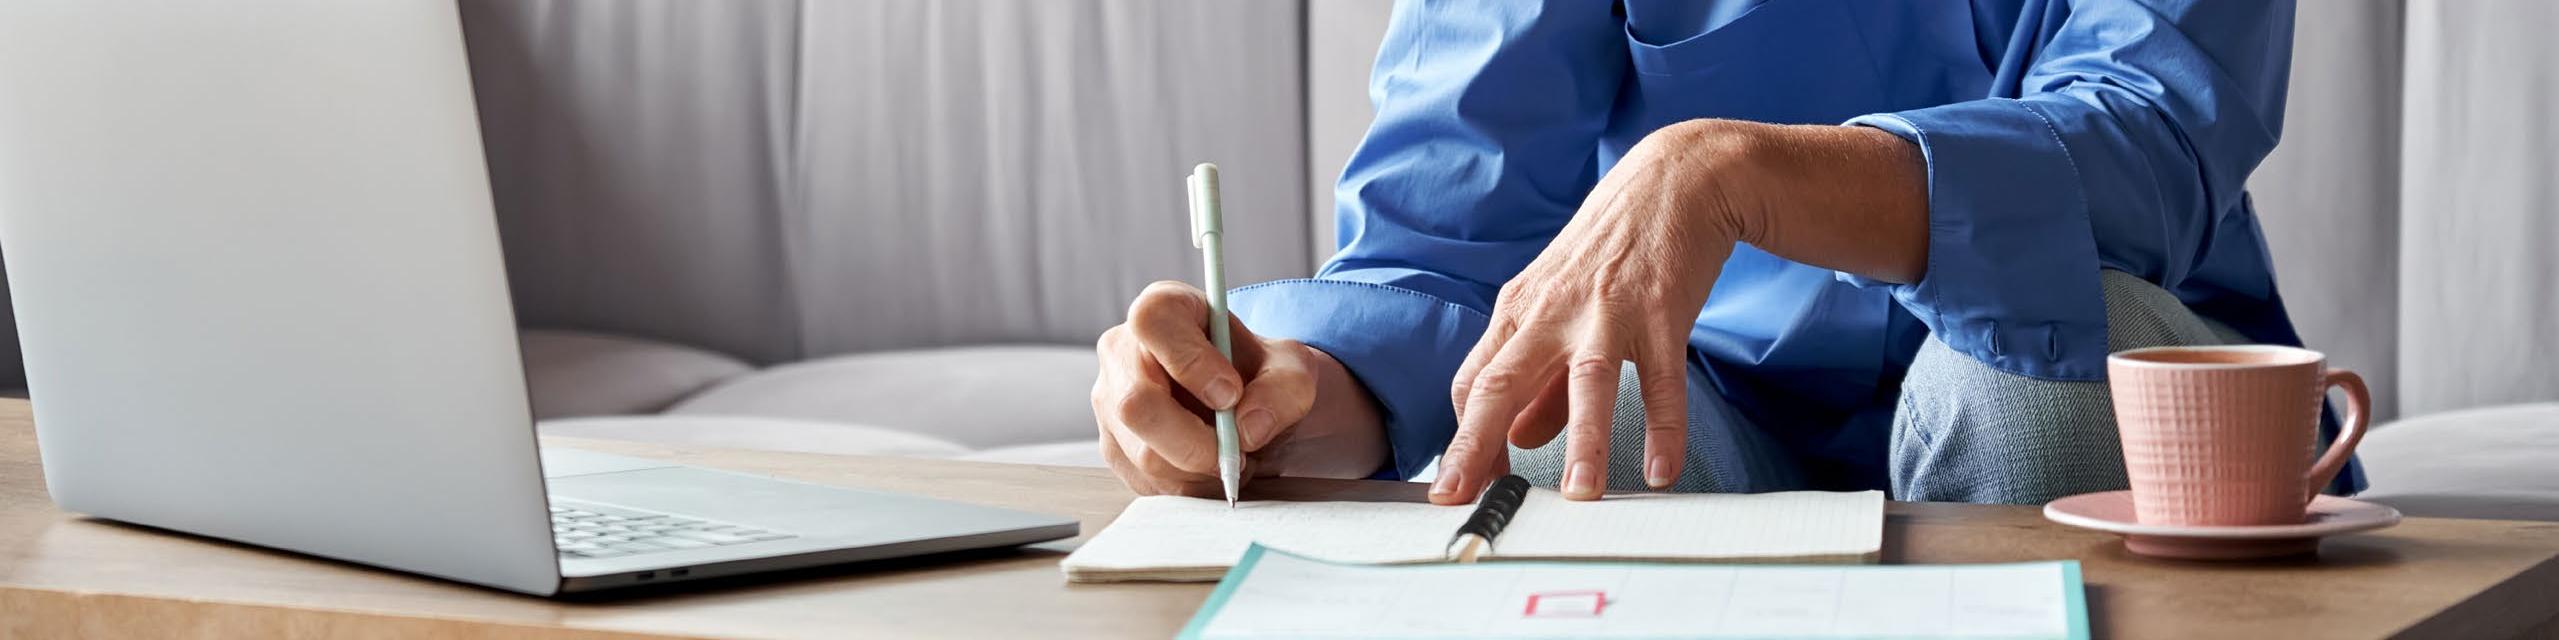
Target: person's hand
column 1623, row 281
column 1162, row 381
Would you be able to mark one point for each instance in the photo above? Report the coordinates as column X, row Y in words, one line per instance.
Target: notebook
column 1176, row 539
column 1272, row 594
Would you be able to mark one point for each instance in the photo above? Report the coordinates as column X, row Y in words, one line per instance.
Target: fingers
column 1592, row 380
column 1149, row 475
column 1282, row 391
column 1115, row 348
column 1467, row 445
column 1662, row 367
column 1162, row 426
column 1496, row 332
column 1122, row 455
column 1169, row 319
column 1496, row 395
column 1137, row 411
column 1117, row 459
column 1544, row 418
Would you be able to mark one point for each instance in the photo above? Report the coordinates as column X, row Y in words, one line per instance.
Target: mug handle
column 2358, row 402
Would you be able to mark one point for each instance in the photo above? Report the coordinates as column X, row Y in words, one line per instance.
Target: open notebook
column 1168, row 538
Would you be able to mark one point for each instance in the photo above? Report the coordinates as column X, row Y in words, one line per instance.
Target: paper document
column 1274, row 594
column 1175, row 538
column 1794, row 526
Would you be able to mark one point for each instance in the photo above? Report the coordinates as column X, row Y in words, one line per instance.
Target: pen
column 1493, row 512
column 1208, row 231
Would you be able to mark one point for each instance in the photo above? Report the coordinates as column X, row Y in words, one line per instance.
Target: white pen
column 1208, row 231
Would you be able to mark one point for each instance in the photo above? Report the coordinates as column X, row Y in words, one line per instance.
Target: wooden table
column 65, row 575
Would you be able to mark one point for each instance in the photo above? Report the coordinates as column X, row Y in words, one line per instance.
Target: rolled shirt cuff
column 1403, row 345
column 2012, row 260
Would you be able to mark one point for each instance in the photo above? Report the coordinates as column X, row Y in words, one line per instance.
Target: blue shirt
column 2061, row 138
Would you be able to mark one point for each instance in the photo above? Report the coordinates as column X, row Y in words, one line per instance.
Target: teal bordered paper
column 1226, row 589
column 2073, row 591
column 2077, row 592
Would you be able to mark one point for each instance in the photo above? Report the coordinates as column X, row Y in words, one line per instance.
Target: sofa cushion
column 987, row 396
column 2496, row 462
column 1072, row 453
column 747, row 432
column 574, row 373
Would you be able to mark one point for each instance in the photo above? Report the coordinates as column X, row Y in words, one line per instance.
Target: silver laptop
column 257, row 276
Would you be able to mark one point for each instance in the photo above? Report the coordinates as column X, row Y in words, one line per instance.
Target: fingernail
column 1221, row 394
column 1657, row 472
column 1447, row 484
column 1581, row 479
column 1254, row 423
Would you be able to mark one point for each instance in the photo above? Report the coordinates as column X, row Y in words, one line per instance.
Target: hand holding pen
column 1163, row 380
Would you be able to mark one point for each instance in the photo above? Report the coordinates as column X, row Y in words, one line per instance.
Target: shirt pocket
column 1785, row 61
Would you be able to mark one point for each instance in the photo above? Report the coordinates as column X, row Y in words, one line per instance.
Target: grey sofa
column 895, row 226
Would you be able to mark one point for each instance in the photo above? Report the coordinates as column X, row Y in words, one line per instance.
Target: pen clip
column 1203, row 195
column 1191, row 197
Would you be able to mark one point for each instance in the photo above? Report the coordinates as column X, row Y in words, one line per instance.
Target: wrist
column 1723, row 172
column 1848, row 198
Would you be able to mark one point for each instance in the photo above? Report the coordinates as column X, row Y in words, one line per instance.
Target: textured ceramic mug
column 2223, row 436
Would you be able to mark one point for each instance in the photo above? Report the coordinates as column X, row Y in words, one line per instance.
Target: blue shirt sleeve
column 2122, row 138
column 1484, row 143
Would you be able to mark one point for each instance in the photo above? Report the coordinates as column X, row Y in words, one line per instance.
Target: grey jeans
column 1963, row 432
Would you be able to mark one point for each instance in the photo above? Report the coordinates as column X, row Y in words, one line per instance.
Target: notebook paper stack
column 1166, row 538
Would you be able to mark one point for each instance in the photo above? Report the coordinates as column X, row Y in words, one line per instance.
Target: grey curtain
column 2479, row 197
column 1011, row 170
column 637, row 149
column 2411, row 206
column 781, row 179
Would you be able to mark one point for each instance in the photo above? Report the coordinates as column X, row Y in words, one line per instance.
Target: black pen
column 1493, row 511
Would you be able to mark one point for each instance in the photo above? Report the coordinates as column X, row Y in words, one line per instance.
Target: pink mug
column 2223, row 436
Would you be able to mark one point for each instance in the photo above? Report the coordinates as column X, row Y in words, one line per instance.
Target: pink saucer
column 2112, row 512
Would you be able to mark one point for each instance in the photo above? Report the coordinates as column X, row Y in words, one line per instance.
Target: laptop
column 257, row 278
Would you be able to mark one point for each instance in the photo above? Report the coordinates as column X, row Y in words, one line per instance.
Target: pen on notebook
column 1208, row 232
column 1493, row 511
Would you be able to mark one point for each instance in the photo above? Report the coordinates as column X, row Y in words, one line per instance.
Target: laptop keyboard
column 588, row 530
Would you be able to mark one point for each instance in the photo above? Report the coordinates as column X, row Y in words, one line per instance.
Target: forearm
column 1854, row 199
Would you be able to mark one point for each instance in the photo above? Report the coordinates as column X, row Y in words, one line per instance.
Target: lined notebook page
column 1177, row 538
column 1800, row 526
column 1192, row 539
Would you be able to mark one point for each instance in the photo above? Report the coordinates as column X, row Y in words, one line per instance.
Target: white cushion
column 1073, row 453
column 982, row 397
column 746, row 432
column 572, row 373
column 2495, row 462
